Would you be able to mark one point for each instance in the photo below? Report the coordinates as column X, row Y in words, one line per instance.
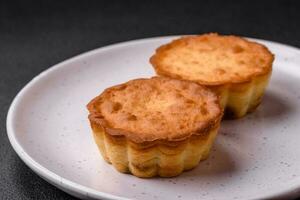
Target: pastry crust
column 241, row 98
column 157, row 158
column 237, row 69
column 159, row 126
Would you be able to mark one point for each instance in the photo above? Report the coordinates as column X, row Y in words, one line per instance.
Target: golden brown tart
column 237, row 69
column 155, row 127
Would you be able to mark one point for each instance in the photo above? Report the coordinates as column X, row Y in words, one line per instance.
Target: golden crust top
column 212, row 59
column 158, row 108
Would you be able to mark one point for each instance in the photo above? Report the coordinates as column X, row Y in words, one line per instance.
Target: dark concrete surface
column 35, row 35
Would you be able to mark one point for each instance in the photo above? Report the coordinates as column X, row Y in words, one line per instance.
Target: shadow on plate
column 273, row 106
column 219, row 163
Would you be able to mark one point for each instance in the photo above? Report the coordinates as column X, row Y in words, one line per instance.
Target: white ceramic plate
column 253, row 158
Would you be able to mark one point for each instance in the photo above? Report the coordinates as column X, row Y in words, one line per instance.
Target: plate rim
column 72, row 187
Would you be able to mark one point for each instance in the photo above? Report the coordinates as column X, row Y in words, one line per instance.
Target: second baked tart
column 237, row 69
column 155, row 127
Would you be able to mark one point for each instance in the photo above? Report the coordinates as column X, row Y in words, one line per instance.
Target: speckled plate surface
column 253, row 158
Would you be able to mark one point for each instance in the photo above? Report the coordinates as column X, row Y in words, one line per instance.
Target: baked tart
column 238, row 70
column 155, row 127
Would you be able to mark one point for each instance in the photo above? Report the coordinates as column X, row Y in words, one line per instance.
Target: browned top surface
column 212, row 59
column 156, row 109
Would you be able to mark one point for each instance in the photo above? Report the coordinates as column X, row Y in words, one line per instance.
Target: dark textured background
column 37, row 35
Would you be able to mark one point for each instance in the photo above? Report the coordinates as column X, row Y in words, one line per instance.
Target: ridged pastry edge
column 160, row 53
column 96, row 116
column 156, row 158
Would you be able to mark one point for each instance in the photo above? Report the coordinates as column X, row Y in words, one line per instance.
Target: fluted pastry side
column 164, row 159
column 238, row 99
